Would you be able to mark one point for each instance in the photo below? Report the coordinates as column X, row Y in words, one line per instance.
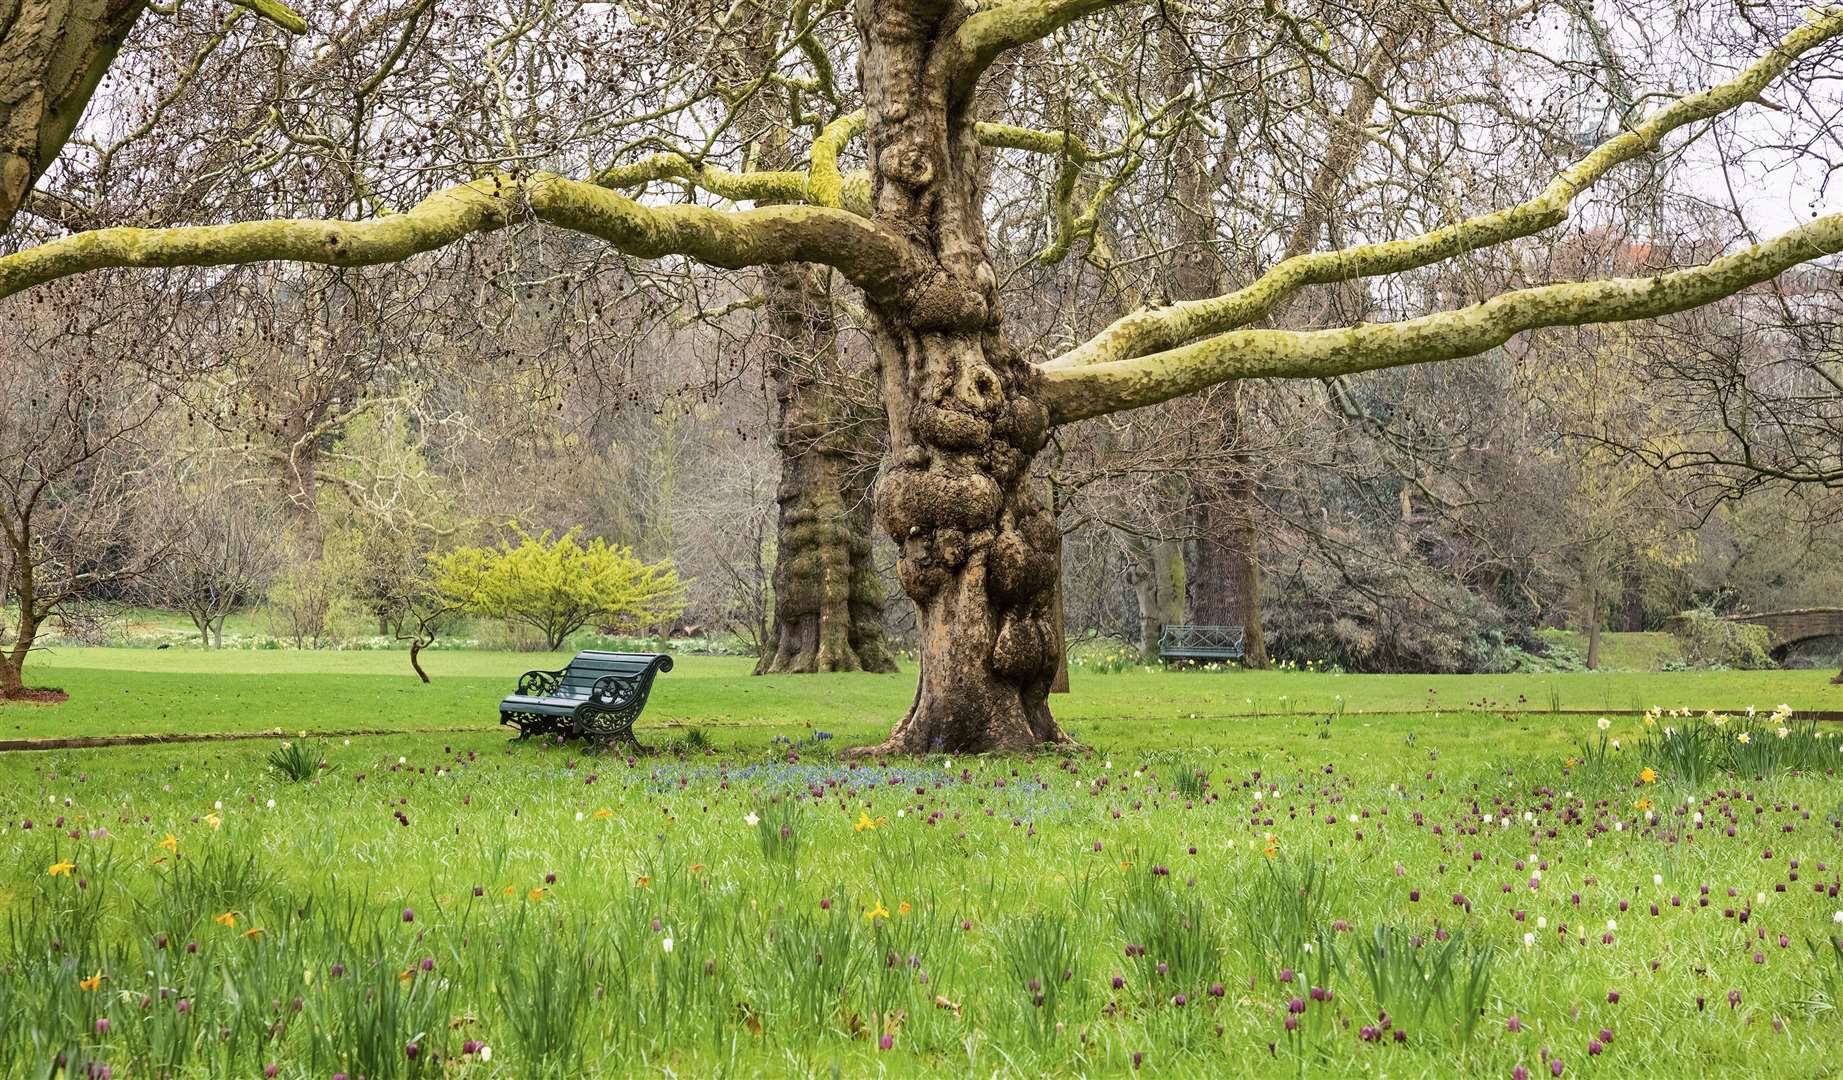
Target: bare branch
column 1079, row 393
column 864, row 252
column 1146, row 331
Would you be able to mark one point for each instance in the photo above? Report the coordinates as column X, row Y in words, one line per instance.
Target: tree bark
column 12, row 684
column 978, row 553
column 23, row 585
column 1225, row 588
column 1592, row 616
column 13, row 659
column 1156, row 573
column 52, row 55
column 828, row 599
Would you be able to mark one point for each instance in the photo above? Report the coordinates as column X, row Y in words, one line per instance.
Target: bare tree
column 69, row 459
column 214, row 552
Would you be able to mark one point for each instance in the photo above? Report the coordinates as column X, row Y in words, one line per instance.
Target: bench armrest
column 540, row 683
column 615, row 691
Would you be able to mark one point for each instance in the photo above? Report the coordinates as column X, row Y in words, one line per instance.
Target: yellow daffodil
column 90, row 983
column 509, row 890
column 878, row 912
column 214, row 821
column 229, row 919
column 253, row 932
column 864, row 822
column 406, row 975
column 1743, row 738
column 1272, row 847
column 604, row 813
column 57, row 868
column 697, row 868
column 170, row 843
column 1647, row 775
column 535, row 894
column 903, row 908
column 1642, row 805
column 644, row 881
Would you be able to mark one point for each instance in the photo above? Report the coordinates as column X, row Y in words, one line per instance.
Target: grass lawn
column 1420, row 887
column 120, row 691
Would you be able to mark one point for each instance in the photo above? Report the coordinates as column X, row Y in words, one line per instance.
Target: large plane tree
column 967, row 412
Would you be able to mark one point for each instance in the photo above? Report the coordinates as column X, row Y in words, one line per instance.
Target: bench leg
column 528, row 724
column 606, row 728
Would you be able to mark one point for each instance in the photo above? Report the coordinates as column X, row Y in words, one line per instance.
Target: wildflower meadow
column 1470, row 892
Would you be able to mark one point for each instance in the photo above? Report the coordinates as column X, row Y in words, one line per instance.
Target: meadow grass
column 121, row 691
column 743, row 902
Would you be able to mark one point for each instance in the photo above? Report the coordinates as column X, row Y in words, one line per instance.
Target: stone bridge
column 1787, row 628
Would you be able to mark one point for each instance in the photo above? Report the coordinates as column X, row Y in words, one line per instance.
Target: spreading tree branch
column 988, row 34
column 1098, row 389
column 1151, row 330
column 868, row 255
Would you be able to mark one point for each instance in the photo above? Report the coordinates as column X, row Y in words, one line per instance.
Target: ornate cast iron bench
column 1182, row 641
column 598, row 696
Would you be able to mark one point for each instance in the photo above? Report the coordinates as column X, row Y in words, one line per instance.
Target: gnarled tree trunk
column 828, row 599
column 979, row 554
column 1227, row 589
column 1155, row 570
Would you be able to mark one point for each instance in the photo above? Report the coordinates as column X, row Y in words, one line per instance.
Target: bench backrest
column 1197, row 638
column 590, row 666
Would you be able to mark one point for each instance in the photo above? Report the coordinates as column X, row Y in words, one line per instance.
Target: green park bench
column 598, row 696
column 1195, row 642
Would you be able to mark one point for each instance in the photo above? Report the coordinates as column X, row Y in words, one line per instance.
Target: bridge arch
column 1787, row 628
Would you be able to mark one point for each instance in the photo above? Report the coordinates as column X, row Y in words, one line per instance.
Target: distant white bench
column 1188, row 641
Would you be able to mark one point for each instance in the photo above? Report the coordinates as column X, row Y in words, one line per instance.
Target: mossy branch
column 1148, row 331
column 863, row 252
column 1099, row 389
column 739, row 187
column 990, row 33
column 276, row 12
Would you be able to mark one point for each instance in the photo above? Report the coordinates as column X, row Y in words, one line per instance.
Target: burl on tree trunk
column 977, row 552
column 828, row 600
